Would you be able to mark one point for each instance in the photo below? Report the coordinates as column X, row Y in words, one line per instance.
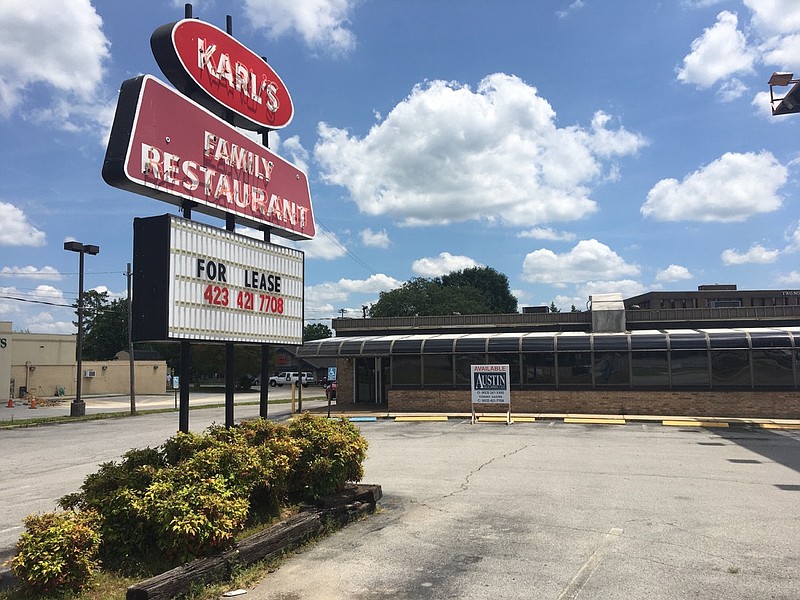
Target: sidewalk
column 60, row 406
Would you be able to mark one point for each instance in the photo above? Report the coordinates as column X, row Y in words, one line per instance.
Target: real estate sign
column 490, row 384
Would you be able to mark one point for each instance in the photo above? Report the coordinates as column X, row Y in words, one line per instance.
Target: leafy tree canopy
column 479, row 290
column 316, row 331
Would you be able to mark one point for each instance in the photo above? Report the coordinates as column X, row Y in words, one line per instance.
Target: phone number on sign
column 219, row 295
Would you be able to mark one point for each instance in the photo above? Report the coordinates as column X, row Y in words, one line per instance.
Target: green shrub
column 57, row 551
column 331, row 454
column 279, row 447
column 115, row 493
column 193, row 516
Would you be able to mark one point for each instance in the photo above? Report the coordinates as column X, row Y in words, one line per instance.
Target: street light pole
column 78, row 406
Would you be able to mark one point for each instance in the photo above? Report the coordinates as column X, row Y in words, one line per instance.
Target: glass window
column 438, row 345
column 538, row 343
column 437, row 369
column 504, row 343
column 611, row 368
column 732, row 339
column 471, row 344
column 351, row 347
column 512, row 360
column 650, row 369
column 377, row 347
column 575, row 342
column 730, row 368
column 574, row 368
column 407, row 346
column 464, row 363
column 611, row 343
column 648, row 341
column 406, row 370
column 689, row 368
column 773, row 367
column 538, row 368
column 688, row 341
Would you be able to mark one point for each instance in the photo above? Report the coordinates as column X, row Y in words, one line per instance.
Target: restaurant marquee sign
column 165, row 146
column 217, row 71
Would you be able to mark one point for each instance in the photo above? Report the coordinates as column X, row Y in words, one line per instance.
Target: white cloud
column 775, row 16
column 793, row 235
column 732, row 188
column 375, row 239
column 44, row 322
column 441, row 265
column 297, row 153
column 321, row 23
column 757, row 254
column 761, row 102
column 792, row 278
column 15, row 230
column 447, row 154
column 626, row 287
column 340, row 291
column 59, row 43
column 32, row 272
column 547, row 233
column 674, row 273
column 324, row 246
column 718, row 54
column 589, row 260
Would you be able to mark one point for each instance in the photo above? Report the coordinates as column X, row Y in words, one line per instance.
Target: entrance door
column 372, row 379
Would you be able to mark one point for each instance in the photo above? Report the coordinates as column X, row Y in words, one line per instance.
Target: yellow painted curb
column 434, row 418
column 595, row 421
column 695, row 423
column 495, row 419
column 524, row 419
column 779, row 426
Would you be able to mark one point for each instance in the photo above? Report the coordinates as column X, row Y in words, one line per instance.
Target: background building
column 44, row 365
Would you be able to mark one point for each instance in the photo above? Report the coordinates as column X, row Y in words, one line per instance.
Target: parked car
column 288, row 378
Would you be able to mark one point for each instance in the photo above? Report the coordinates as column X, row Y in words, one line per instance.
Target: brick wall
column 744, row 404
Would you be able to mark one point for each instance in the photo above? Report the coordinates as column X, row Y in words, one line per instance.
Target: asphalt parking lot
column 558, row 511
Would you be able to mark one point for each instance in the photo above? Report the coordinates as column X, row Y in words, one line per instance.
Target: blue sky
column 577, row 146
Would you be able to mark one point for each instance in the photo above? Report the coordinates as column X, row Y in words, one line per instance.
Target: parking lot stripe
column 691, row 423
column 594, row 421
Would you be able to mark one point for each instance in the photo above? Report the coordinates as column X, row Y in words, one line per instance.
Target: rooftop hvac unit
column 90, row 373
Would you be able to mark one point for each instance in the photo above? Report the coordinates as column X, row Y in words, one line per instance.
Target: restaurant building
column 730, row 361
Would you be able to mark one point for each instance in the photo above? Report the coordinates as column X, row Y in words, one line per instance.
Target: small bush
column 193, row 517
column 115, row 493
column 57, row 551
column 331, row 454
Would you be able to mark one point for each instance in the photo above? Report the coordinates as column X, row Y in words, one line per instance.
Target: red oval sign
column 226, row 77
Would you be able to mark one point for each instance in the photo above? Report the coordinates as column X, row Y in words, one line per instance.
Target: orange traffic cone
column 10, row 403
column 33, row 403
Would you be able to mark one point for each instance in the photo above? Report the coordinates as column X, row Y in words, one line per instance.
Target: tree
column 316, row 331
column 553, row 308
column 469, row 292
column 105, row 325
column 109, row 331
column 492, row 285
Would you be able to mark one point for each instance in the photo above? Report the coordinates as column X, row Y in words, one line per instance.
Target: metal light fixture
column 78, row 406
column 790, row 103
